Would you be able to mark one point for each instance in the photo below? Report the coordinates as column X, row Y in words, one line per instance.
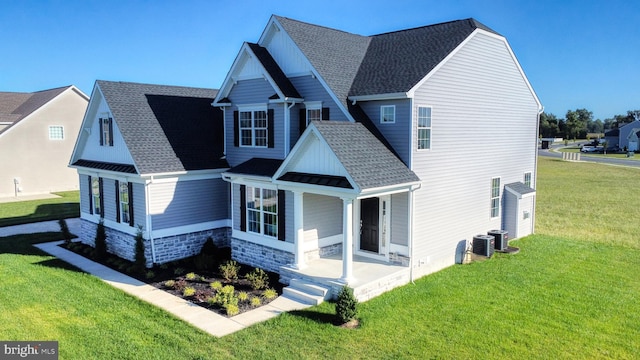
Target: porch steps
column 306, row 292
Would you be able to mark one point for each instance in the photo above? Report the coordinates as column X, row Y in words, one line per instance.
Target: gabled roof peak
column 469, row 21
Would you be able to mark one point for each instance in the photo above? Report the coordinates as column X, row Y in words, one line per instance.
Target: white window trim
column 61, row 127
column 123, row 209
column 261, row 212
column 312, row 105
column 497, row 197
column 252, row 108
column 382, row 108
column 96, row 177
column 530, row 179
column 418, row 127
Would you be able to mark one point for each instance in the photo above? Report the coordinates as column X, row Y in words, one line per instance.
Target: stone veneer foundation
column 166, row 249
column 260, row 256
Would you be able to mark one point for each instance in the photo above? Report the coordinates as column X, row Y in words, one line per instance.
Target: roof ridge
column 473, row 22
column 155, row 85
column 320, row 26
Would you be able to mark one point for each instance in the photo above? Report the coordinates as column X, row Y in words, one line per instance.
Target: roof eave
column 372, row 97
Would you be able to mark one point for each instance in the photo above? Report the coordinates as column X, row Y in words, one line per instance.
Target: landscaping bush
column 64, row 229
column 232, row 309
column 191, row 276
column 270, row 294
column 188, row 291
column 229, row 270
column 101, row 241
column 226, row 296
column 258, row 279
column 347, row 305
column 206, row 260
column 140, row 262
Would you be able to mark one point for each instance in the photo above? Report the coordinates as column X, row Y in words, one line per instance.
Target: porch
column 370, row 277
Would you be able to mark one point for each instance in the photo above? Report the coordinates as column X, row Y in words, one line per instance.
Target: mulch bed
column 182, row 272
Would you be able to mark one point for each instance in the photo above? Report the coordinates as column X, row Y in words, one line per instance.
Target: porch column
column 347, row 240
column 298, row 224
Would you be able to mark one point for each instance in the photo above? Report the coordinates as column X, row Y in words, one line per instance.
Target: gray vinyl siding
column 188, row 202
column 247, row 92
column 399, row 219
column 322, row 216
column 139, row 206
column 109, row 192
column 484, row 125
column 510, row 213
column 84, row 194
column 235, row 206
column 398, row 134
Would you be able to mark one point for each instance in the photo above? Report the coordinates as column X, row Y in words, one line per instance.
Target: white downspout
column 287, row 127
column 535, row 184
column 147, row 192
column 410, row 240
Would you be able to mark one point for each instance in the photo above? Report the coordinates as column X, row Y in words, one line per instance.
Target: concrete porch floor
column 370, row 277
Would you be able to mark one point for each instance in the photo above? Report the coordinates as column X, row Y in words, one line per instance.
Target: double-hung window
column 495, row 197
column 106, row 131
column 527, row 179
column 424, row 127
column 125, row 217
column 95, row 199
column 253, row 127
column 387, row 114
column 262, row 211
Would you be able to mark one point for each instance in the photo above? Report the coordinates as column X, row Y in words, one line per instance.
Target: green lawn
column 570, row 293
column 23, row 212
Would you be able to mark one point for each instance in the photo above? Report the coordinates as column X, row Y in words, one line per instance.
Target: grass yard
column 570, row 293
column 23, row 212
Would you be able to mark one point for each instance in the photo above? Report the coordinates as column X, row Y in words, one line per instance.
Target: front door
column 369, row 224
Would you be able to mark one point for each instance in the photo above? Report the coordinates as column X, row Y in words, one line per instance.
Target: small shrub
column 191, row 276
column 243, row 295
column 269, row 294
column 229, row 270
column 180, row 285
column 140, row 259
column 207, row 258
column 170, row 284
column 226, row 296
column 258, row 279
column 211, row 300
column 64, row 229
column 188, row 291
column 101, row 241
column 216, row 285
column 164, row 266
column 347, row 305
column 255, row 301
column 232, row 309
column 178, row 271
column 150, row 274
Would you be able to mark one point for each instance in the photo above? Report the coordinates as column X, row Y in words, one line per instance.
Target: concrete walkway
column 206, row 320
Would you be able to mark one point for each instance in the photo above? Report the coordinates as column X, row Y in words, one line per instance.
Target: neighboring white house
column 348, row 159
column 37, row 133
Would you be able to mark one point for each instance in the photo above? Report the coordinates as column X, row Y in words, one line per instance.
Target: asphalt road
column 596, row 159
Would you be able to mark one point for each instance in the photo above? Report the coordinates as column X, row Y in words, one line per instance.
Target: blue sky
column 576, row 54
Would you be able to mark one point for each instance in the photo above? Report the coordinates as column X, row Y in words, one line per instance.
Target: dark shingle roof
column 270, row 65
column 257, row 167
column 520, row 188
column 317, row 179
column 16, row 106
column 335, row 54
column 613, row 132
column 167, row 128
column 397, row 61
column 369, row 163
column 123, row 168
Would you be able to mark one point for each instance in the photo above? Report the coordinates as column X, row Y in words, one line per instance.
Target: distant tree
column 633, row 115
column 595, row 126
column 548, row 125
column 577, row 122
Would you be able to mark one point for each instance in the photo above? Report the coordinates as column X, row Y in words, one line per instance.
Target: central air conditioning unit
column 501, row 237
column 484, row 245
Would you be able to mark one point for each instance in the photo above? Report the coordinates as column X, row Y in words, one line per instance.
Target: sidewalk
column 203, row 319
column 44, row 226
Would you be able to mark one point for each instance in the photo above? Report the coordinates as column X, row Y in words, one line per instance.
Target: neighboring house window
column 527, row 179
column 56, row 132
column 424, row 127
column 106, row 131
column 262, row 211
column 253, row 127
column 95, row 195
column 388, row 114
column 495, row 197
column 124, row 200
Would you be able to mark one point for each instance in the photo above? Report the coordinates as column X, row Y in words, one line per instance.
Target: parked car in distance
column 587, row 149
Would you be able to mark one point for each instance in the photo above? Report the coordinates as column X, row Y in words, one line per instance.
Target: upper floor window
column 527, row 179
column 312, row 111
column 106, row 131
column 387, row 114
column 424, row 127
column 495, row 197
column 253, row 127
column 56, row 132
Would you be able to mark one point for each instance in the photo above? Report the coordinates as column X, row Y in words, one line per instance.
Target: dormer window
column 387, row 114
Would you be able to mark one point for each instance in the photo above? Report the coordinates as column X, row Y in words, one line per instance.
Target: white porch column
column 298, row 224
column 347, row 240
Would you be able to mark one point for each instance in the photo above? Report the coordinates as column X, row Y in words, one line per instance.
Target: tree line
column 578, row 123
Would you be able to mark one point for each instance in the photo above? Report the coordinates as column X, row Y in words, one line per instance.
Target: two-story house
column 369, row 160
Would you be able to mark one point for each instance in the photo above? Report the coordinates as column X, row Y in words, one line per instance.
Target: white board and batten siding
column 183, row 203
column 315, row 157
column 484, row 125
column 89, row 143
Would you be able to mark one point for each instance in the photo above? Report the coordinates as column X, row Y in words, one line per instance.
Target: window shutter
column 270, row 129
column 117, row 201
column 281, row 217
column 325, row 114
column 131, row 204
column 90, row 195
column 302, row 120
column 236, row 129
column 243, row 208
column 101, row 190
column 101, row 134
column 110, row 132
